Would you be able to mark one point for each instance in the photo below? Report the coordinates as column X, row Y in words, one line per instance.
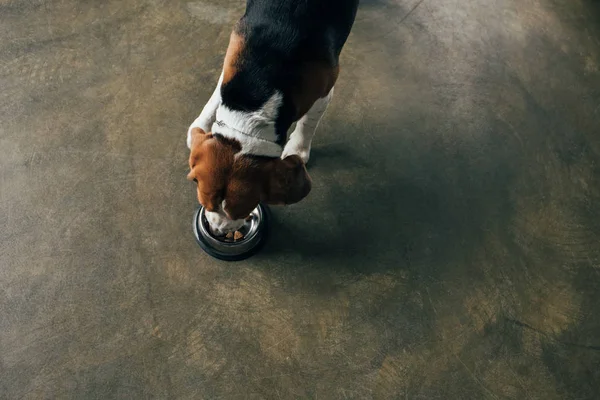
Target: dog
column 280, row 68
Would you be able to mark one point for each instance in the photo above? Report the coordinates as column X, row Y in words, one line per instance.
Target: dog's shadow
column 372, row 211
column 334, row 156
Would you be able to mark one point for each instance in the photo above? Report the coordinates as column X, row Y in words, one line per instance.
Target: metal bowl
column 255, row 231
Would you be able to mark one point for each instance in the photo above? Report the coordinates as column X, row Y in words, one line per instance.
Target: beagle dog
column 280, row 68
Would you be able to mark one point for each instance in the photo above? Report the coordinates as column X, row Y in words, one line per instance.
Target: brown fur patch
column 315, row 82
column 233, row 56
column 273, row 181
column 245, row 186
column 242, row 181
column 211, row 160
column 289, row 181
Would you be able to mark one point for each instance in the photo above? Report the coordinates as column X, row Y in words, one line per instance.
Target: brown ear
column 198, row 137
column 210, row 165
column 197, row 133
column 289, row 182
column 242, row 197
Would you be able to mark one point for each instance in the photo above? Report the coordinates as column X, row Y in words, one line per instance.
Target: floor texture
column 450, row 248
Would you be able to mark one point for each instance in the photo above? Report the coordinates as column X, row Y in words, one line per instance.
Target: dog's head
column 230, row 187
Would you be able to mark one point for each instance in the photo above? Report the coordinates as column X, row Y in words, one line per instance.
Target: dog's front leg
column 301, row 137
column 208, row 114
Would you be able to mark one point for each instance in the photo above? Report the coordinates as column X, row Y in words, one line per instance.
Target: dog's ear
column 211, row 162
column 198, row 137
column 197, row 133
column 288, row 181
column 243, row 196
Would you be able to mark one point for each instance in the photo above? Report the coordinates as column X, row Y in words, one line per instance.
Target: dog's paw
column 297, row 146
column 301, row 151
column 201, row 123
column 189, row 134
column 188, row 140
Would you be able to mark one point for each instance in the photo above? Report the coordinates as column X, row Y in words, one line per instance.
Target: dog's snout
column 220, row 224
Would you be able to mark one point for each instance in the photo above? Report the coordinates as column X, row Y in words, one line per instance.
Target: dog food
column 235, row 236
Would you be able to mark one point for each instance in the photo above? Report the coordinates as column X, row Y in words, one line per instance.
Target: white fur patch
column 254, row 130
column 302, row 136
column 207, row 116
column 220, row 224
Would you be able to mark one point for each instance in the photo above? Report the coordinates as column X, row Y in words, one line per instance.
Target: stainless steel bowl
column 255, row 232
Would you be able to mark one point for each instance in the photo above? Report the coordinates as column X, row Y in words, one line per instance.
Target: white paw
column 198, row 123
column 189, row 138
column 296, row 149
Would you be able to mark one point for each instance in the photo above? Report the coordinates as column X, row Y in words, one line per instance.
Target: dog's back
column 293, row 26
column 288, row 46
column 280, row 67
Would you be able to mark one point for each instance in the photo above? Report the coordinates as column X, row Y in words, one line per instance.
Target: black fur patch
column 279, row 36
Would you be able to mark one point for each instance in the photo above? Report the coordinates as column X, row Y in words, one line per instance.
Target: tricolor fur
column 280, row 68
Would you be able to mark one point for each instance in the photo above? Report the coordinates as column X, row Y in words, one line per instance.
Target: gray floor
column 450, row 248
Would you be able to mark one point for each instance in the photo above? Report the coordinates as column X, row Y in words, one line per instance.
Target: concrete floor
column 450, row 248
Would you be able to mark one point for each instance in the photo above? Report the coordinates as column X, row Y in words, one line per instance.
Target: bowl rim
column 210, row 238
column 260, row 237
